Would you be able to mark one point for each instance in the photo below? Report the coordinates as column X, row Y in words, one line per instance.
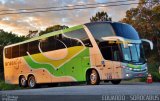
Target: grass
column 4, row 86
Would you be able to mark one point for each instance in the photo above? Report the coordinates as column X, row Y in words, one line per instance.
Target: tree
column 100, row 16
column 32, row 33
column 53, row 28
column 9, row 38
column 146, row 19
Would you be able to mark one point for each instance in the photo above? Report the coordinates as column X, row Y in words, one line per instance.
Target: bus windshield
column 133, row 53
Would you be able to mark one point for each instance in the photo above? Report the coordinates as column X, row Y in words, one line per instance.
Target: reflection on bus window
column 134, row 53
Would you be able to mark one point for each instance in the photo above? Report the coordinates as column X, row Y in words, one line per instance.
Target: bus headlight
column 127, row 75
column 146, row 67
column 124, row 67
column 130, row 68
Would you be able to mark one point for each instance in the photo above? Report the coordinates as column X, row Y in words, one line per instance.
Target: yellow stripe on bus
column 72, row 51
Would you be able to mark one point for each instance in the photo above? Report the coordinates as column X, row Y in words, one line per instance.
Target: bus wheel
column 93, row 78
column 31, row 82
column 116, row 82
column 22, row 81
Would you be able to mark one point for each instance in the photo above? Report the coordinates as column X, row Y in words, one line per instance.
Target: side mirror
column 150, row 43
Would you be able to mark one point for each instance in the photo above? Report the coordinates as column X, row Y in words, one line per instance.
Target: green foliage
column 53, row 28
column 100, row 16
column 9, row 38
column 4, row 86
column 153, row 70
column 153, row 67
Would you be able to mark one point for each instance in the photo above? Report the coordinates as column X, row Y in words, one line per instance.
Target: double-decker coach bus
column 93, row 52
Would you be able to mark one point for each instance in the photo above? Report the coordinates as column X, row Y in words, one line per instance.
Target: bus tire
column 93, row 77
column 22, row 81
column 31, row 81
column 115, row 82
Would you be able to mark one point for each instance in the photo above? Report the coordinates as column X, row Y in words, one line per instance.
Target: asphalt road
column 125, row 88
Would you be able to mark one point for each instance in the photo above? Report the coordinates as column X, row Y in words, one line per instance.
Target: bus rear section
column 63, row 56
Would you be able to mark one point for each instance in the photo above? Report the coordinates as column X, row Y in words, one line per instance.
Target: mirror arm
column 150, row 43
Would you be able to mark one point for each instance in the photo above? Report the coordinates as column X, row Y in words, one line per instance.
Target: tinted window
column 69, row 39
column 23, row 49
column 55, row 43
column 33, row 47
column 8, row 53
column 100, row 30
column 48, row 44
column 74, row 38
column 110, row 51
column 125, row 30
column 15, row 51
column 116, row 53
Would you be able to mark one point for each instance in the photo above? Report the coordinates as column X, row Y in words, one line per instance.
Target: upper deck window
column 125, row 30
column 100, row 30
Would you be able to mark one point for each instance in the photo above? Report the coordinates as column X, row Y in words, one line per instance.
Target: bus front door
column 116, row 69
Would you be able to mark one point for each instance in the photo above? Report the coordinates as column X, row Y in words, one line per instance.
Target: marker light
column 130, row 69
column 127, row 75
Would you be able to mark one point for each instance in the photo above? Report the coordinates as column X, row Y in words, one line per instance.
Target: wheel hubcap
column 23, row 81
column 93, row 78
column 32, row 82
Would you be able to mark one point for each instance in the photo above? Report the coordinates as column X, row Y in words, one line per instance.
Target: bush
column 153, row 68
column 4, row 86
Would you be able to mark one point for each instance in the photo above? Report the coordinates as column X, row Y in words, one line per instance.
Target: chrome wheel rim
column 32, row 82
column 23, row 81
column 93, row 78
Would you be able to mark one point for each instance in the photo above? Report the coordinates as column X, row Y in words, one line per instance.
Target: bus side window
column 106, row 52
column 8, row 53
column 116, row 56
column 15, row 51
column 78, row 34
column 33, row 47
column 87, row 43
column 116, row 53
column 48, row 44
column 59, row 42
column 23, row 49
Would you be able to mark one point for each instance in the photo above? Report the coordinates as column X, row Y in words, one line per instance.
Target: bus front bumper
column 127, row 74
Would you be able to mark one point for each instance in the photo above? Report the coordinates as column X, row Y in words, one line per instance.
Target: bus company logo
column 119, row 42
column 13, row 62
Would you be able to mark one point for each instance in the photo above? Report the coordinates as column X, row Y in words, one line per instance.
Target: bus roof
column 110, row 22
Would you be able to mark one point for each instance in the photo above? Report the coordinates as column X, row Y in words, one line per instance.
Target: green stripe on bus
column 134, row 66
column 75, row 68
